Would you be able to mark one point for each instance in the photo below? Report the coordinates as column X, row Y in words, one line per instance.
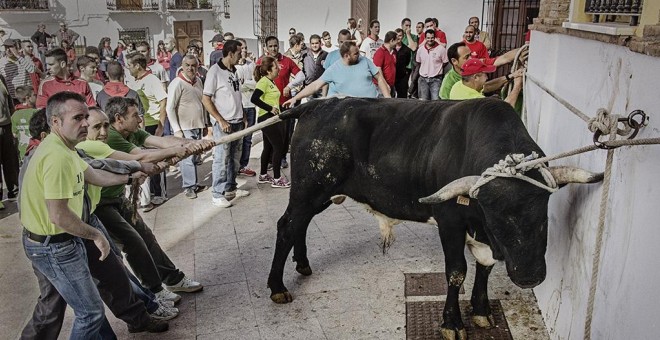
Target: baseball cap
column 217, row 37
column 474, row 66
column 9, row 42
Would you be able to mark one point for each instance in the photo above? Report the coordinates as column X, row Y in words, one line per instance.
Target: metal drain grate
column 423, row 320
column 427, row 284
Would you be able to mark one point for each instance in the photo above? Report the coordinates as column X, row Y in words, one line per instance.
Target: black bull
column 389, row 153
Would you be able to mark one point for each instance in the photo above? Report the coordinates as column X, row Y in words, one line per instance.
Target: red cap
column 474, row 66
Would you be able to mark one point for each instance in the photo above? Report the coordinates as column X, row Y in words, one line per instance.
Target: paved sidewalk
column 356, row 292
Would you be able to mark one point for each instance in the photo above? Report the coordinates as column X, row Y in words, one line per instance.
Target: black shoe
column 151, row 326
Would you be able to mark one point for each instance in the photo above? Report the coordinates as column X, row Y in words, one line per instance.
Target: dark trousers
column 414, row 76
column 143, row 253
column 275, row 146
column 401, row 84
column 157, row 183
column 8, row 161
column 251, row 114
column 114, row 287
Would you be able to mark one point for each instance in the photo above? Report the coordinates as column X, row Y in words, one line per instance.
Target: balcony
column 133, row 5
column 24, row 5
column 188, row 5
column 611, row 9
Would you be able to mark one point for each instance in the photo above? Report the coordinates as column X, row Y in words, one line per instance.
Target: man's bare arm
column 61, row 215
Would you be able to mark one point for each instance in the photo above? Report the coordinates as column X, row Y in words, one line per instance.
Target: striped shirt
column 16, row 73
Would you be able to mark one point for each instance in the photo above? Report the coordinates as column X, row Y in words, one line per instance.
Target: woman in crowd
column 70, row 54
column 164, row 56
column 266, row 97
column 105, row 53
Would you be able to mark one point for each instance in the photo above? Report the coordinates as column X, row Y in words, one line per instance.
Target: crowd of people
column 82, row 127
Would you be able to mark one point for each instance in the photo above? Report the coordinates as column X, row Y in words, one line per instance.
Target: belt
column 438, row 76
column 53, row 238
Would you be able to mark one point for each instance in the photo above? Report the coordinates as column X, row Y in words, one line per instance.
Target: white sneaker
column 166, row 303
column 163, row 313
column 158, row 200
column 237, row 193
column 221, row 202
column 168, row 295
column 186, row 285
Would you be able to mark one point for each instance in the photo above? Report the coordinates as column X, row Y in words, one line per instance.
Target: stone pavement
column 355, row 292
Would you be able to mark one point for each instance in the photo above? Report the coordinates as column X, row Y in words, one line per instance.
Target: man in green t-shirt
column 20, row 120
column 124, row 138
column 51, row 204
column 473, row 78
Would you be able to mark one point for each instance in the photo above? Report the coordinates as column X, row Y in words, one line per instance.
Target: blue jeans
column 429, row 88
column 226, row 160
column 64, row 264
column 188, row 166
column 251, row 114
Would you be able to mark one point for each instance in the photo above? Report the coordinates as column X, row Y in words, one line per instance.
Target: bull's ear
column 460, row 186
column 566, row 174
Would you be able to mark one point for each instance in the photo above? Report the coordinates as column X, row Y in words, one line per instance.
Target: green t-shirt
column 20, row 127
column 117, row 142
column 460, row 91
column 448, row 82
column 271, row 94
column 54, row 172
column 97, row 150
column 415, row 38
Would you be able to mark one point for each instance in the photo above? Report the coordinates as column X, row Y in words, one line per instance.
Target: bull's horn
column 567, row 174
column 460, row 186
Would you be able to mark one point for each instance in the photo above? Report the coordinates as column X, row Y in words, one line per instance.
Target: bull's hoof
column 304, row 270
column 486, row 322
column 453, row 334
column 285, row 297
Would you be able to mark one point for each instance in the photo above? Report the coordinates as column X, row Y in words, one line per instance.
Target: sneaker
column 186, row 285
column 190, row 193
column 153, row 325
column 265, row 179
column 281, row 182
column 166, row 303
column 158, row 200
column 247, row 172
column 221, row 202
column 241, row 193
column 200, row 188
column 147, row 208
column 163, row 313
column 167, row 295
column 285, row 164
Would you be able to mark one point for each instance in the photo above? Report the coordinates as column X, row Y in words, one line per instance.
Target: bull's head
column 516, row 217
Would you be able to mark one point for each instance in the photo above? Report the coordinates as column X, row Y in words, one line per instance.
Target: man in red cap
column 473, row 78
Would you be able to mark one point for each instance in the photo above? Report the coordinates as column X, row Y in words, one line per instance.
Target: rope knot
column 604, row 122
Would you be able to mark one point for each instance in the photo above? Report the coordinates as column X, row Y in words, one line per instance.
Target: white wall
column 590, row 75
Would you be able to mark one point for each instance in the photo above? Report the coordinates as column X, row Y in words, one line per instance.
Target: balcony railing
column 188, row 4
column 24, row 5
column 133, row 5
column 613, row 8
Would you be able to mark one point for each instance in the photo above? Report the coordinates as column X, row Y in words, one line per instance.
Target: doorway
column 184, row 31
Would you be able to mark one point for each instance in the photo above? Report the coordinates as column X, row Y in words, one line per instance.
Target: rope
column 559, row 99
column 508, row 167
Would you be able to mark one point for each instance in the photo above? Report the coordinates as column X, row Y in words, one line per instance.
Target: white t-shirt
column 95, row 87
column 245, row 75
column 223, row 86
column 159, row 71
column 369, row 47
column 151, row 92
column 329, row 49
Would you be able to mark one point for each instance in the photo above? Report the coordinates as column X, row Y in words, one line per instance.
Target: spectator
column 292, row 32
column 313, row 63
column 245, row 73
column 372, row 42
column 185, row 112
column 88, row 68
column 352, row 76
column 20, row 120
column 478, row 49
column 267, row 97
column 403, row 61
column 65, row 33
column 152, row 64
column 343, row 36
column 8, row 150
column 93, row 53
column 62, row 80
column 217, row 42
column 163, row 56
column 39, row 71
column 327, row 42
column 105, row 54
column 115, row 87
column 118, row 53
column 15, row 68
column 414, row 75
column 222, row 99
column 40, row 38
column 440, row 36
column 481, row 35
column 385, row 59
column 175, row 57
column 355, row 29
column 431, row 56
column 295, row 53
column 70, row 54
